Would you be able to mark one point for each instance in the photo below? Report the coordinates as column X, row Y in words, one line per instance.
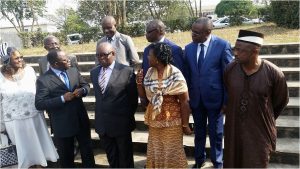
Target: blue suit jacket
column 206, row 85
column 177, row 54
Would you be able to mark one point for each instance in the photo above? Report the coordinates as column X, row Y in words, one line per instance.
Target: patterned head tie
column 5, row 52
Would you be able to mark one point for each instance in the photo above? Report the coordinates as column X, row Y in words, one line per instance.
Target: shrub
column 286, row 13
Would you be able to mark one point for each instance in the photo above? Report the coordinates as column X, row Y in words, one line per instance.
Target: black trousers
column 119, row 150
column 65, row 147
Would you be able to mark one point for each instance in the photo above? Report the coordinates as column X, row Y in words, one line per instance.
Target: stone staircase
column 287, row 153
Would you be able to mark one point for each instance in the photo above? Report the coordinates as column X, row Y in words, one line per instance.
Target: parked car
column 225, row 22
column 75, row 38
column 221, row 23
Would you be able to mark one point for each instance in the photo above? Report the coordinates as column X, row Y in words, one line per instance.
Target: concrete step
column 287, row 126
column 279, row 60
column 292, row 108
column 271, row 49
column 293, row 86
column 140, row 161
column 290, row 60
column 287, row 149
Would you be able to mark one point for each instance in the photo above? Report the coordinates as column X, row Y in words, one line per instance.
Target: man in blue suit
column 205, row 61
column 155, row 32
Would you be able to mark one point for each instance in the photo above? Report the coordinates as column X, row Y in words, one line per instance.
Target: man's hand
column 78, row 92
column 68, row 96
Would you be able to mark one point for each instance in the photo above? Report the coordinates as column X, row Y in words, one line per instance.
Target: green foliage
column 36, row 38
column 16, row 11
column 234, row 9
column 134, row 30
column 182, row 24
column 286, row 13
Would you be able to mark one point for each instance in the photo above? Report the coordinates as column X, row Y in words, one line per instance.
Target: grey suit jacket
column 43, row 62
column 114, row 112
column 66, row 118
column 126, row 53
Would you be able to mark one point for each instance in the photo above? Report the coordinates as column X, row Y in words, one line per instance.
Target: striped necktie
column 102, row 80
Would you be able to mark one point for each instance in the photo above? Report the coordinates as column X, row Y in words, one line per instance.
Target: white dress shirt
column 206, row 44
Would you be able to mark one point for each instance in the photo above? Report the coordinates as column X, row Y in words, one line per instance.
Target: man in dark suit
column 59, row 92
column 51, row 42
column 125, row 51
column 116, row 102
column 155, row 32
column 206, row 58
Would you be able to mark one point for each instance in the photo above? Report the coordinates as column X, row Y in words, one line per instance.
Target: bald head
column 105, row 54
column 108, row 19
column 51, row 42
column 109, row 26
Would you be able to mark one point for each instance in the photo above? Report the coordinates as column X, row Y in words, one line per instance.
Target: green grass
column 273, row 34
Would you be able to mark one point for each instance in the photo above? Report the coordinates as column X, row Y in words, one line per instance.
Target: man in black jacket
column 59, row 92
column 116, row 102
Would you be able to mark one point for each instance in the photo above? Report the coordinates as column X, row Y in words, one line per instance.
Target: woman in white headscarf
column 24, row 124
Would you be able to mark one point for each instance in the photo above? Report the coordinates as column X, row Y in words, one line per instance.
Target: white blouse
column 18, row 97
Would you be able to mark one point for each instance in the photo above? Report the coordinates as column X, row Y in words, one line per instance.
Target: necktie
column 109, row 39
column 201, row 56
column 66, row 79
column 102, row 80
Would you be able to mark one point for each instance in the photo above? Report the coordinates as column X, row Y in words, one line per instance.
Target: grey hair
column 49, row 37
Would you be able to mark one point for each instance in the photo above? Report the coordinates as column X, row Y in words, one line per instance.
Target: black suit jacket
column 68, row 117
column 114, row 113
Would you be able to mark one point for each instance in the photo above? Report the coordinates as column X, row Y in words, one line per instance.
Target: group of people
column 208, row 79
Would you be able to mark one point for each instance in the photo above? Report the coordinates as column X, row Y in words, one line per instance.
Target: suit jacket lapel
column 113, row 78
column 95, row 78
column 72, row 79
column 57, row 80
column 208, row 52
column 194, row 58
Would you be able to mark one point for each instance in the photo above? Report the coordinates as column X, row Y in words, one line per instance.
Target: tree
column 16, row 11
column 234, row 9
column 286, row 13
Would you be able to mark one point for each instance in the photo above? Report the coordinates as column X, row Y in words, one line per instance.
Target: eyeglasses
column 65, row 60
column 198, row 33
column 103, row 54
column 19, row 58
column 148, row 32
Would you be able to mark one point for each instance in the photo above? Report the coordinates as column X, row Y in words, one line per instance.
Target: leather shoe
column 198, row 165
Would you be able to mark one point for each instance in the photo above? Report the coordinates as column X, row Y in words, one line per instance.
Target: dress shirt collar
column 111, row 66
column 206, row 43
column 56, row 71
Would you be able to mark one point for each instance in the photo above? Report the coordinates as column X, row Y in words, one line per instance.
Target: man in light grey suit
column 123, row 44
column 52, row 42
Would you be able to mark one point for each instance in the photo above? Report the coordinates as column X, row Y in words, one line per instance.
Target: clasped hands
column 76, row 94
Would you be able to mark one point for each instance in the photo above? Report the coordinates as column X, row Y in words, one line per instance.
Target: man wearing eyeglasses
column 155, row 32
column 125, row 51
column 257, row 95
column 116, row 102
column 206, row 58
